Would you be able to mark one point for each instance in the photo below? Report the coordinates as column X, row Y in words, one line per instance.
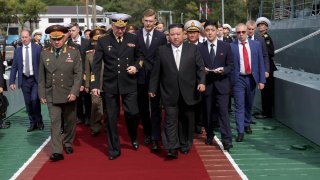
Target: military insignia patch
column 47, row 61
column 92, row 78
column 141, row 63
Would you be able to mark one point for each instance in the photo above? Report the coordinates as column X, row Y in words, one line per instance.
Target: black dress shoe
column 227, row 146
column 248, row 130
column 31, row 128
column 172, row 154
column 155, row 146
column 94, row 133
column 147, row 139
column 56, row 157
column 113, row 157
column 69, row 150
column 209, row 141
column 261, row 116
column 135, row 144
column 40, row 126
column 240, row 137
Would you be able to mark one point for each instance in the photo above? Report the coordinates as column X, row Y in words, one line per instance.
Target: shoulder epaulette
column 46, row 49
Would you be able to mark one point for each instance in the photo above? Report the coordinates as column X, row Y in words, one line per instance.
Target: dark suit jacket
column 174, row 82
column 257, row 63
column 270, row 49
column 158, row 39
column 117, row 57
column 264, row 51
column 223, row 59
column 17, row 65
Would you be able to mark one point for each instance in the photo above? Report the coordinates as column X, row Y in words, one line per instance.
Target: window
column 75, row 20
column 99, row 20
column 55, row 20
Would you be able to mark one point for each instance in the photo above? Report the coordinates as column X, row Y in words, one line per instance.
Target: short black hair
column 87, row 30
column 177, row 25
column 212, row 23
column 202, row 20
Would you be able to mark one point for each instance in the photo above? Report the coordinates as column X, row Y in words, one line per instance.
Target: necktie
column 212, row 53
column 148, row 40
column 57, row 52
column 177, row 58
column 27, row 72
column 250, row 37
column 246, row 59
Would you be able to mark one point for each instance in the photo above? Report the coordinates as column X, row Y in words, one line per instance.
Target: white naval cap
column 119, row 19
column 36, row 32
column 193, row 26
column 227, row 26
column 263, row 20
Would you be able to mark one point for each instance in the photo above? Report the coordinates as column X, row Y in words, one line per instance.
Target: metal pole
column 170, row 14
column 94, row 18
column 77, row 14
column 222, row 10
column 87, row 13
column 182, row 18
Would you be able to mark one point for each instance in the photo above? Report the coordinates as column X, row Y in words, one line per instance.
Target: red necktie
column 246, row 59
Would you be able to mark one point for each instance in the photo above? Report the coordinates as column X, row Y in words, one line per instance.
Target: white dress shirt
column 177, row 54
column 24, row 58
column 242, row 68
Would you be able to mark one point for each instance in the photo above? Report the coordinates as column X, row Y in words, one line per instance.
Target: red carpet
column 90, row 161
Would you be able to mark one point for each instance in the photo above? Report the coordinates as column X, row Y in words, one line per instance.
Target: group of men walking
column 189, row 80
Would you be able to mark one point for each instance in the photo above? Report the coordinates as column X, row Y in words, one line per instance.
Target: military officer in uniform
column 226, row 30
column 194, row 28
column 267, row 94
column 122, row 59
column 97, row 107
column 60, row 75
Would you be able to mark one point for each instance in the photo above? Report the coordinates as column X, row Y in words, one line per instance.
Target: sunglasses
column 241, row 32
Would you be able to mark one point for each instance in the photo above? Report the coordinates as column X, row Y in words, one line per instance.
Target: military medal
column 47, row 61
column 109, row 48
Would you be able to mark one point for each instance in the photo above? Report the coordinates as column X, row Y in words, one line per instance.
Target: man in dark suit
column 149, row 40
column 218, row 62
column 267, row 94
column 26, row 64
column 84, row 99
column 121, row 56
column 60, row 75
column 179, row 72
column 248, row 72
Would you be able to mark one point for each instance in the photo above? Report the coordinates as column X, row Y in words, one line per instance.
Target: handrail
column 298, row 41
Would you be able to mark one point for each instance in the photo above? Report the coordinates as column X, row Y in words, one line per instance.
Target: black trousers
column 84, row 106
column 216, row 108
column 130, row 108
column 267, row 96
column 178, row 126
column 151, row 124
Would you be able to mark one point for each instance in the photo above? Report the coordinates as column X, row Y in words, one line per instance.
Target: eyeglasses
column 241, row 32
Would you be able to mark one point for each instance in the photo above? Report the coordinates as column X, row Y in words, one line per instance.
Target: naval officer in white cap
column 193, row 28
column 267, row 94
column 122, row 59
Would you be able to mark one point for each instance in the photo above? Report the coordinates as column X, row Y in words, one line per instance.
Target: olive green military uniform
column 97, row 101
column 59, row 77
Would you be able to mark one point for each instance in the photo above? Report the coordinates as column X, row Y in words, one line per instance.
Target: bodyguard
column 60, row 75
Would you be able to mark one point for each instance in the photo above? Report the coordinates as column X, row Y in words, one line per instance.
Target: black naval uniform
column 267, row 94
column 117, row 57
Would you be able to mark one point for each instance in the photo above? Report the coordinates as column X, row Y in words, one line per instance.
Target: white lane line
column 226, row 153
column 34, row 155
